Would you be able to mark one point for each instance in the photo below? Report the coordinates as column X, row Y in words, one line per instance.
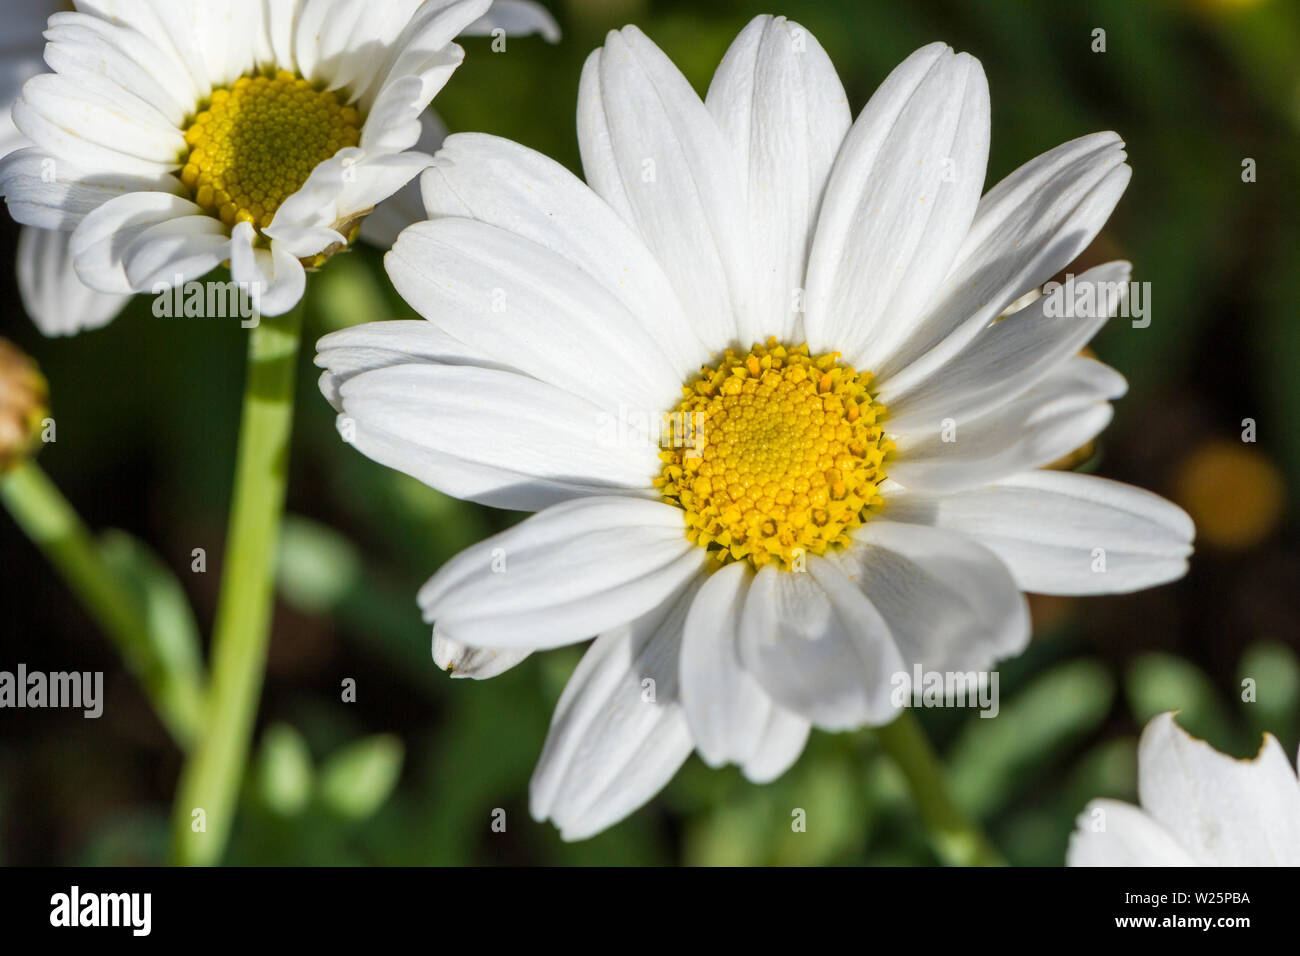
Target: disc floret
column 257, row 142
column 784, row 458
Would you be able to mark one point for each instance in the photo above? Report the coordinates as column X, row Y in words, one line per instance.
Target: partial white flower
column 1199, row 808
column 58, row 302
column 175, row 135
column 406, row 207
column 738, row 269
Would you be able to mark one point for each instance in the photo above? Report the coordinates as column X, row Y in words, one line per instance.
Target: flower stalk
column 955, row 838
column 207, row 793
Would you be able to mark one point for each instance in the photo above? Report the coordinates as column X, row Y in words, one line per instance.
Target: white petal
column 1058, row 415
column 1064, row 533
column 305, row 241
column 170, row 27
column 79, row 43
column 495, row 419
column 477, row 663
column 781, row 742
column 507, row 185
column 101, row 242
column 517, row 18
column 52, row 292
column 11, row 137
column 339, row 190
column 405, row 207
column 1227, row 812
column 782, row 109
column 818, row 646
column 274, row 277
column 361, row 348
column 899, row 203
column 424, row 51
column 176, row 251
column 1110, row 833
column 1028, row 227
column 52, row 193
column 331, row 36
column 278, row 25
column 531, row 309
column 342, row 43
column 726, row 707
column 309, row 26
column 394, row 123
column 377, row 178
column 1006, row 358
column 950, row 604
column 459, row 477
column 653, row 152
column 92, row 122
column 616, row 740
column 227, row 35
column 573, row 570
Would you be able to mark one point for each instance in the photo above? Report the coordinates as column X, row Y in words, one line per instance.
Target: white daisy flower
column 818, row 298
column 176, row 135
column 1199, row 808
column 58, row 302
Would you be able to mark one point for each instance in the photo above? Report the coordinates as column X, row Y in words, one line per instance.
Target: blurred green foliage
column 413, row 770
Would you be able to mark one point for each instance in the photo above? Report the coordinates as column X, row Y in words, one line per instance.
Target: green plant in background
column 1072, row 706
column 282, row 168
column 141, row 605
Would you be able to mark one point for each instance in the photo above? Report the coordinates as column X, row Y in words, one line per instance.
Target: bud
column 24, row 405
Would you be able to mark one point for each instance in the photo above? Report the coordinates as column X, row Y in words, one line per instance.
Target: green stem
column 207, row 793
column 52, row 524
column 956, row 839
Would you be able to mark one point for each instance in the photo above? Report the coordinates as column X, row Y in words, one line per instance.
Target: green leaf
column 1275, row 673
column 832, row 815
column 1039, row 835
column 284, row 771
column 1159, row 682
column 1107, row 770
column 317, row 567
column 993, row 758
column 171, row 664
column 814, row 815
column 356, row 780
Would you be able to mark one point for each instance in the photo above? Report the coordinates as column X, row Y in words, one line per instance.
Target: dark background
column 147, row 413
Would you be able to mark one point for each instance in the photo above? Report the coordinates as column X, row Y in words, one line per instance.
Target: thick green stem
column 956, row 839
column 206, row 796
column 52, row 524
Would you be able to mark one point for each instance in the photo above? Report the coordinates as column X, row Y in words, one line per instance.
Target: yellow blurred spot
column 24, row 405
column 1233, row 492
column 1227, row 6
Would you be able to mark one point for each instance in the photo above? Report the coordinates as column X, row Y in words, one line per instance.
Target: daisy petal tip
column 328, row 384
column 461, row 662
column 935, row 48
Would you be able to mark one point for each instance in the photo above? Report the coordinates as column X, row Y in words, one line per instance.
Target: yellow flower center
column 257, row 142
column 777, row 454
